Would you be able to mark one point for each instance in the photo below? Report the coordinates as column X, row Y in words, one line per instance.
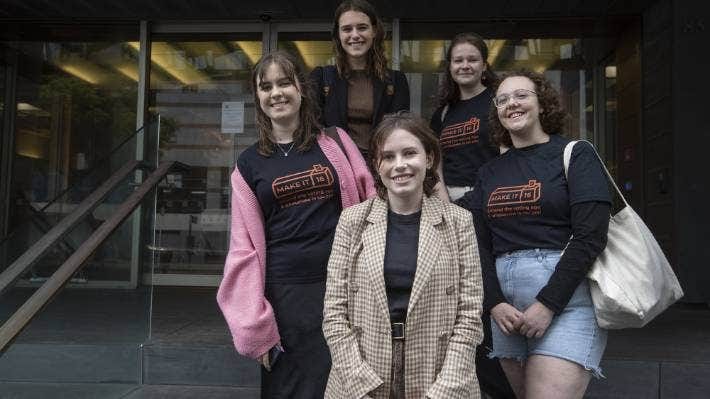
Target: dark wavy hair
column 419, row 128
column 449, row 92
column 552, row 116
column 376, row 60
column 308, row 127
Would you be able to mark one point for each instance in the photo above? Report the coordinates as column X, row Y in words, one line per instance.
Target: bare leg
column 515, row 372
column 548, row 377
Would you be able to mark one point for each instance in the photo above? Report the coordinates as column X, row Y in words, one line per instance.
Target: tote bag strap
column 567, row 155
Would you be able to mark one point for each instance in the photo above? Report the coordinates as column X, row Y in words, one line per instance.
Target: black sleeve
column 435, row 122
column 400, row 101
column 492, row 293
column 590, row 224
column 315, row 79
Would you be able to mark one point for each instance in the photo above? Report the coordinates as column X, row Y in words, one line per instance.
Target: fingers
column 264, row 360
column 508, row 320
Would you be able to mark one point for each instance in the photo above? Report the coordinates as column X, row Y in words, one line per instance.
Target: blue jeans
column 573, row 335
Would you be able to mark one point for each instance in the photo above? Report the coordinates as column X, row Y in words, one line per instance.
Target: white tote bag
column 631, row 281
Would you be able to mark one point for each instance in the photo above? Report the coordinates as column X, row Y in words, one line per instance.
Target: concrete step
column 630, row 379
column 70, row 363
column 198, row 365
column 29, row 370
column 27, row 390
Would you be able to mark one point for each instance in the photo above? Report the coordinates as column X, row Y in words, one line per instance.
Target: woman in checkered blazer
column 403, row 295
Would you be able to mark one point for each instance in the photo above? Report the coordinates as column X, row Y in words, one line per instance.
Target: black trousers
column 301, row 371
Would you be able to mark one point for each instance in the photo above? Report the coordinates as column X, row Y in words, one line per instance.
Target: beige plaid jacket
column 443, row 318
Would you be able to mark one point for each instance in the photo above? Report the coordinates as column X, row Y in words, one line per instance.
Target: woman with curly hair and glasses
column 359, row 89
column 403, row 296
column 539, row 232
column 288, row 190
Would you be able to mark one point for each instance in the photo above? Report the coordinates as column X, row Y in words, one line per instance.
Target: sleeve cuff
column 548, row 303
column 364, row 382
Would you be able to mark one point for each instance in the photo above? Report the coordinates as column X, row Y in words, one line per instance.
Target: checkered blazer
column 443, row 317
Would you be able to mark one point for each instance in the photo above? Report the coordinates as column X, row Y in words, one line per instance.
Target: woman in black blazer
column 359, row 89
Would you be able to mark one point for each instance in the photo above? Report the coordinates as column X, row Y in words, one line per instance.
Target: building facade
column 84, row 87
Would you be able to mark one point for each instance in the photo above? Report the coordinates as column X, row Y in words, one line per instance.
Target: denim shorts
column 573, row 335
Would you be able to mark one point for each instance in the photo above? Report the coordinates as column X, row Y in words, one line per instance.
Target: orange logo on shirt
column 309, row 185
column 515, row 200
column 460, row 134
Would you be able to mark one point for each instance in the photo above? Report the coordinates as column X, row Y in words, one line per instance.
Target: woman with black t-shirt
column 539, row 233
column 359, row 89
column 461, row 121
column 288, row 190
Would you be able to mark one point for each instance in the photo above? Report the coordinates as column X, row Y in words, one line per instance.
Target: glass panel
column 201, row 88
column 112, row 263
column 80, row 329
column 560, row 59
column 76, row 103
column 316, row 48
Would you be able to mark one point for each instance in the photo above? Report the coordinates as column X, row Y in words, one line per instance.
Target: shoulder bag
column 631, row 281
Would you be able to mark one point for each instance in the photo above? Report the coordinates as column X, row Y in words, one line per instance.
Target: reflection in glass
column 75, row 102
column 561, row 60
column 202, row 91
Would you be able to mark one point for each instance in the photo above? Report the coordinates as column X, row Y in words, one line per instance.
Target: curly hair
column 376, row 60
column 309, row 126
column 552, row 115
column 419, row 128
column 449, row 92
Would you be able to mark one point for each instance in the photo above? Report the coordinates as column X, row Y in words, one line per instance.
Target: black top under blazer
column 389, row 96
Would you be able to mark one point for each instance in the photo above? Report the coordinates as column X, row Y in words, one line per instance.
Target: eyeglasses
column 520, row 95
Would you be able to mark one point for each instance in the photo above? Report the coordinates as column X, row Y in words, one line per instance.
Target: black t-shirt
column 525, row 197
column 464, row 136
column 400, row 262
column 300, row 198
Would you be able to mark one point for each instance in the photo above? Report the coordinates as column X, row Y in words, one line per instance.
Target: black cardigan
column 389, row 96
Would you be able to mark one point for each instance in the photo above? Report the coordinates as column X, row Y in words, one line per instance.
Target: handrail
column 102, row 161
column 17, row 322
column 33, row 254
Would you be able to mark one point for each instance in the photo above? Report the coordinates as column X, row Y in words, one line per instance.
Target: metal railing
column 19, row 320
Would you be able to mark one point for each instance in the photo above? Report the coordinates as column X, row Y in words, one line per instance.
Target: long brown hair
column 419, row 128
column 449, row 92
column 308, row 126
column 552, row 117
column 376, row 60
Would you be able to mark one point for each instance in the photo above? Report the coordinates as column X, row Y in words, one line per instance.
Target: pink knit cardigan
column 241, row 294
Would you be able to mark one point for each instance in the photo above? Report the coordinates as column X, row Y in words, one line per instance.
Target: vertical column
column 136, row 225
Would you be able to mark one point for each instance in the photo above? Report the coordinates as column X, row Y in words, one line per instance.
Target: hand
column 264, row 360
column 536, row 318
column 507, row 317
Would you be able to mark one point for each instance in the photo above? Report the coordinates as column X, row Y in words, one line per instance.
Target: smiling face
column 356, row 34
column 402, row 166
column 279, row 96
column 467, row 65
column 519, row 117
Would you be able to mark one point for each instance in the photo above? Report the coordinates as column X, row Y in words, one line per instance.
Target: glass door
column 200, row 87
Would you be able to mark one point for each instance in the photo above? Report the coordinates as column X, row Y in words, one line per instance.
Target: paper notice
column 233, row 117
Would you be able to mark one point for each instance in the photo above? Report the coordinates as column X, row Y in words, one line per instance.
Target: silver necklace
column 285, row 151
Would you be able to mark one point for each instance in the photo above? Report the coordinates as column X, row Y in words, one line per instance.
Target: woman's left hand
column 536, row 318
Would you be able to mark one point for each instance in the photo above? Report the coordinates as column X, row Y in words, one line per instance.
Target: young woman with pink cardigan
column 288, row 190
